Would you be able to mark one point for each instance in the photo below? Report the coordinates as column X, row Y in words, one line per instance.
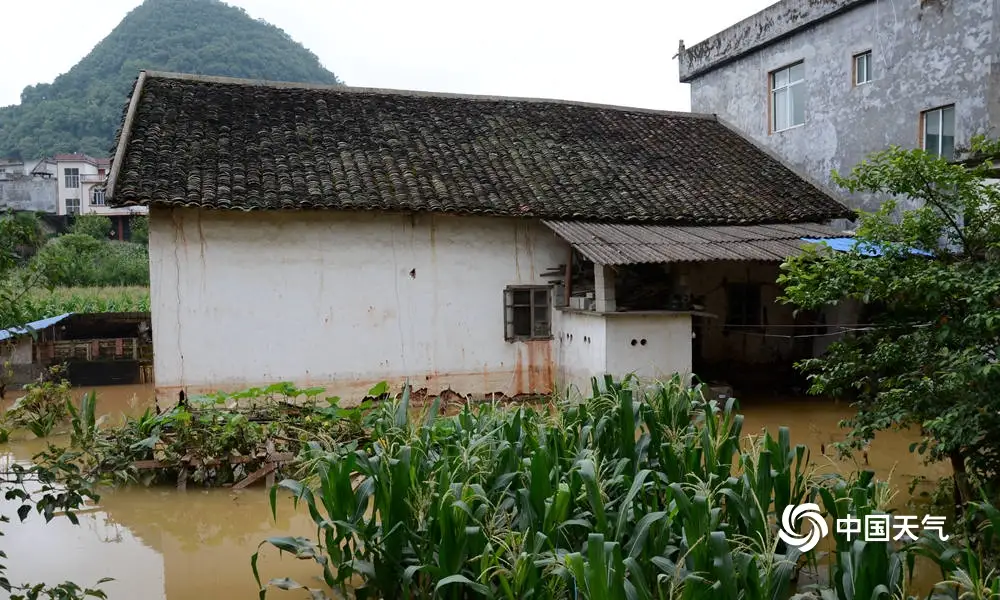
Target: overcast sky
column 615, row 52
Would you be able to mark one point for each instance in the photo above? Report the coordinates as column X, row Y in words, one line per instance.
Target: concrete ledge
column 770, row 25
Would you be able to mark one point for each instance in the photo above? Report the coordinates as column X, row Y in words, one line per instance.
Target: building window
column 97, row 197
column 863, row 68
column 939, row 131
column 72, row 177
column 526, row 312
column 743, row 305
column 72, row 206
column 788, row 97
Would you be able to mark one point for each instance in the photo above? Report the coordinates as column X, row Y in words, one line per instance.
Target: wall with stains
column 581, row 348
column 653, row 346
column 926, row 54
column 343, row 300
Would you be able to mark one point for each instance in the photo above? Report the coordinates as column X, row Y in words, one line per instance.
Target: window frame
column 78, row 208
column 509, row 308
column 94, row 194
column 788, row 86
column 867, row 56
column 69, row 176
column 940, row 110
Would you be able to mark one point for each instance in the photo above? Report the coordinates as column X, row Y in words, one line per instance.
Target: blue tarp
column 845, row 244
column 35, row 326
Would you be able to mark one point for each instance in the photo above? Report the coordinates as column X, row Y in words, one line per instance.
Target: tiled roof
column 616, row 244
column 233, row 144
column 79, row 157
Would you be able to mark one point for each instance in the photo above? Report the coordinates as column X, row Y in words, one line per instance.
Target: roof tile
column 233, row 144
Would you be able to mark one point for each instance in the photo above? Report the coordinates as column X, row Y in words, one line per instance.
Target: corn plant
column 636, row 492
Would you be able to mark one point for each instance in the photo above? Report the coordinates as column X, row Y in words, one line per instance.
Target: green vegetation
column 81, row 110
column 219, row 438
column 930, row 360
column 82, row 271
column 637, row 492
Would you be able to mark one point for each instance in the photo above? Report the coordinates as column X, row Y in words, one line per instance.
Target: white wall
column 667, row 348
column 78, row 192
column 327, row 298
column 581, row 343
column 594, row 344
column 17, row 351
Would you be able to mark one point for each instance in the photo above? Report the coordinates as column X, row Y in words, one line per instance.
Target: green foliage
column 929, row 361
column 43, row 405
column 220, row 438
column 96, row 226
column 20, row 237
column 81, row 110
column 78, row 259
column 47, row 303
column 140, row 230
column 51, row 484
column 631, row 494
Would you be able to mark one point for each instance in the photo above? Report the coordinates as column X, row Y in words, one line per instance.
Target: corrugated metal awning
column 33, row 326
column 631, row 244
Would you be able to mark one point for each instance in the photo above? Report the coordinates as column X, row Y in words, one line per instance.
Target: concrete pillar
column 604, row 288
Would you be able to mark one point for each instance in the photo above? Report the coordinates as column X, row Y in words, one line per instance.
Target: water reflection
column 162, row 544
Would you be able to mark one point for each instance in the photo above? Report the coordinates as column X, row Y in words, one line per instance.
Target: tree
column 929, row 359
column 96, row 226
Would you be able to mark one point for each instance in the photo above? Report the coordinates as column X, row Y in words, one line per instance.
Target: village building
column 94, row 348
column 340, row 237
column 824, row 84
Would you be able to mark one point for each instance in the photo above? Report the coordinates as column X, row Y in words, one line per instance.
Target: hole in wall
column 642, row 342
column 413, row 273
column 634, row 342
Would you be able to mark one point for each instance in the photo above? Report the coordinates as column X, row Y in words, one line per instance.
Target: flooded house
column 95, row 348
column 339, row 237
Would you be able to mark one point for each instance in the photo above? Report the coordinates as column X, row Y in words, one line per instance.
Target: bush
column 140, row 229
column 78, row 259
column 95, row 226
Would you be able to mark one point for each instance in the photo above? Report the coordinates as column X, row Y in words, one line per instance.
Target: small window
column 97, row 197
column 72, row 177
column 743, row 305
column 526, row 312
column 788, row 97
column 72, row 206
column 863, row 68
column 939, row 131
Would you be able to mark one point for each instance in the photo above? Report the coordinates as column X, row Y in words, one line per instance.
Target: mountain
column 81, row 110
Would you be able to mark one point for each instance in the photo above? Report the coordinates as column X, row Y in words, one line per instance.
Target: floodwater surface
column 158, row 543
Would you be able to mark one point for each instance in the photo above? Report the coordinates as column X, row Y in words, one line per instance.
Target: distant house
column 339, row 237
column 826, row 83
column 80, row 179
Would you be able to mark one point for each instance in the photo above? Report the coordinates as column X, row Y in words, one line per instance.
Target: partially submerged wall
column 343, row 300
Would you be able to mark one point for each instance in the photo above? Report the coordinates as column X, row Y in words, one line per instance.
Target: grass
column 42, row 303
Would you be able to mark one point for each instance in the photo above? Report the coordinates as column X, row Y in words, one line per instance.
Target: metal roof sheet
column 610, row 244
column 33, row 326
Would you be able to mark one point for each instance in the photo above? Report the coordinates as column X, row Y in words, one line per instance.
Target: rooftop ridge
column 772, row 24
column 416, row 93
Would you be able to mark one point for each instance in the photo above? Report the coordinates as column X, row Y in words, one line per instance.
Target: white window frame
column 863, row 68
column 540, row 312
column 772, row 78
column 76, row 210
column 940, row 111
column 97, row 197
column 72, row 177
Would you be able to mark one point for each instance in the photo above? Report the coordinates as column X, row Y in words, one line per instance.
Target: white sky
column 615, row 52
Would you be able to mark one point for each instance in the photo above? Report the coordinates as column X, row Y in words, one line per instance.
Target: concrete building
column 80, row 179
column 22, row 190
column 826, row 82
column 344, row 237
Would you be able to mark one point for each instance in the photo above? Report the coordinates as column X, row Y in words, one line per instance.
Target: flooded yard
column 158, row 543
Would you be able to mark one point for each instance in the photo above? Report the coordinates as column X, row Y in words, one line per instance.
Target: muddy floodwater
column 162, row 544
